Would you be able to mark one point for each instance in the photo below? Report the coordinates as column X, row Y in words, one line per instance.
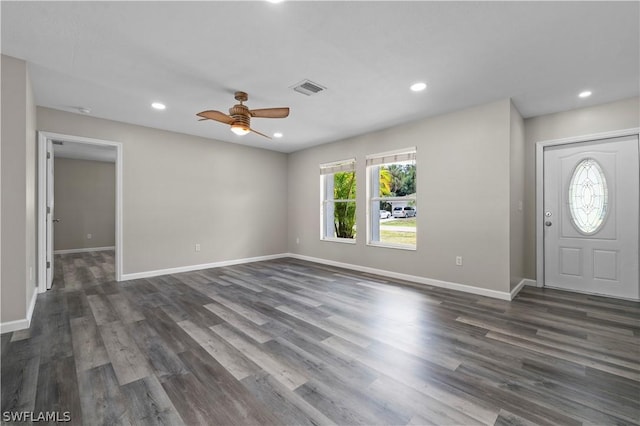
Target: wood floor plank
column 323, row 360
column 123, row 308
column 128, row 362
column 174, row 336
column 552, row 397
column 162, row 359
column 101, row 398
column 194, row 404
column 19, row 373
column 248, row 284
column 77, row 304
column 506, row 418
column 88, row 348
column 483, row 413
column 102, row 310
column 225, row 353
column 292, row 408
column 351, row 407
column 148, row 403
column 58, row 390
column 239, row 322
column 327, row 326
column 245, row 311
column 420, row 405
column 287, row 375
column 4, row 343
column 632, row 373
column 281, row 322
column 234, row 401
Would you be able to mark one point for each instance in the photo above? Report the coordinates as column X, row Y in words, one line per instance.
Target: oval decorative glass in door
column 588, row 196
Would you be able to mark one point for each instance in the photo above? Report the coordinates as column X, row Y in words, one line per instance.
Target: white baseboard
column 503, row 295
column 521, row 284
column 83, row 250
column 21, row 324
column 148, row 274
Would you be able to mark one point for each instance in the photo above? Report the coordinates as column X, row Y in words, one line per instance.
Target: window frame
column 373, row 164
column 326, row 198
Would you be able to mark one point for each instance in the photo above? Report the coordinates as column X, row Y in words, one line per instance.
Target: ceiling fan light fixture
column 239, row 129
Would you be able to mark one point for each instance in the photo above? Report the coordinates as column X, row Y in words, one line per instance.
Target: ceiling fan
column 240, row 116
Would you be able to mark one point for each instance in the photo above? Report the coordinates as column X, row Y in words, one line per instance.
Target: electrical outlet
column 89, row 236
column 197, row 246
column 458, row 260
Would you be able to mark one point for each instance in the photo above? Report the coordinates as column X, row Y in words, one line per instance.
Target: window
column 391, row 200
column 588, row 196
column 338, row 188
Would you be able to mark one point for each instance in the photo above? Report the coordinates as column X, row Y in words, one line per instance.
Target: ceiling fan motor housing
column 240, row 114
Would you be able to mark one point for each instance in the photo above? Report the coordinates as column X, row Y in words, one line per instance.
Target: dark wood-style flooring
column 288, row 342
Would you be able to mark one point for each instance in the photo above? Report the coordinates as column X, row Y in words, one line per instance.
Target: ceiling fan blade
column 270, row 112
column 216, row 116
column 261, row 134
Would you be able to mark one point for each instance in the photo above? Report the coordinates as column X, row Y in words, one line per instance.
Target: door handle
column 547, row 223
column 56, row 220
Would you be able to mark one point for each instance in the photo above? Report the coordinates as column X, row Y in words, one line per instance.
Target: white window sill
column 340, row 240
column 391, row 246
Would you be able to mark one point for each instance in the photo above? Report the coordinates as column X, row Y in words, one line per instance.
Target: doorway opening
column 85, row 222
column 587, row 214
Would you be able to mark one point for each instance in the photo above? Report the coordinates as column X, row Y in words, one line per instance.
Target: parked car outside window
column 407, row 211
column 385, row 214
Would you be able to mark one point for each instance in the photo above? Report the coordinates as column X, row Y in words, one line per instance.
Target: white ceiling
column 117, row 57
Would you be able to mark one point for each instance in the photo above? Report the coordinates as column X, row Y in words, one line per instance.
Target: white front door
column 591, row 202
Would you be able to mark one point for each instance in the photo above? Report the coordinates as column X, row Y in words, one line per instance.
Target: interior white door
column 50, row 220
column 591, row 203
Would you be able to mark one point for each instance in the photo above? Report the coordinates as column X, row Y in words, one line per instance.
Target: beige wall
column 179, row 190
column 85, row 203
column 463, row 195
column 624, row 114
column 18, row 218
column 516, row 203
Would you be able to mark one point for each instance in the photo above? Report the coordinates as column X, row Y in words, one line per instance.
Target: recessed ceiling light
column 84, row 110
column 277, row 135
column 418, row 87
column 275, row 1
column 585, row 94
column 158, row 105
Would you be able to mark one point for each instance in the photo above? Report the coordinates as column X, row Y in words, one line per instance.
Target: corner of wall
column 31, row 192
column 517, row 209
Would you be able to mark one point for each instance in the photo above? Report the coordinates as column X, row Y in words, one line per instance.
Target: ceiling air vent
column 308, row 87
